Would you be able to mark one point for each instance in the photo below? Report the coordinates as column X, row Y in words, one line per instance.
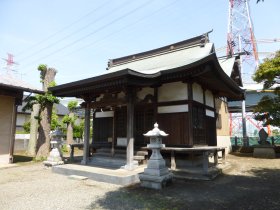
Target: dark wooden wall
column 176, row 125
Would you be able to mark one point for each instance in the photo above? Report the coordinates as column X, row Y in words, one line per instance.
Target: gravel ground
column 248, row 184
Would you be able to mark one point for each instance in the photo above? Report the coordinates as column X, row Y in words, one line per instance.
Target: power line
column 97, row 30
column 121, row 29
column 76, row 31
column 63, row 29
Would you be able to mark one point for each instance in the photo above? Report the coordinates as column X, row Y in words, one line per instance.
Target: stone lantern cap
column 56, row 136
column 156, row 132
column 57, row 133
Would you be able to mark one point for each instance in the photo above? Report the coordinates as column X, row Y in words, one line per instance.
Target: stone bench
column 206, row 152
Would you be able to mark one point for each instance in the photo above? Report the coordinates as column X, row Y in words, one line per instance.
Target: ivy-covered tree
column 268, row 73
column 69, row 120
column 45, row 102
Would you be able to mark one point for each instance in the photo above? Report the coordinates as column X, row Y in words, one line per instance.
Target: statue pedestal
column 264, row 151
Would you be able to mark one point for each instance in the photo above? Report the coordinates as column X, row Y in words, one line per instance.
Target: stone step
column 107, row 162
column 108, row 150
column 138, row 157
column 142, row 153
column 109, row 155
column 77, row 177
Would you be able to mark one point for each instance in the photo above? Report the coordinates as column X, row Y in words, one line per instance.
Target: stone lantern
column 156, row 175
column 55, row 156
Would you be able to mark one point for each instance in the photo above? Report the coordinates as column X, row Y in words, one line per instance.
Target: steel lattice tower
column 241, row 39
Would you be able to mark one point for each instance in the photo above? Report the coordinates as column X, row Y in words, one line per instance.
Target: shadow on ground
column 22, row 158
column 258, row 189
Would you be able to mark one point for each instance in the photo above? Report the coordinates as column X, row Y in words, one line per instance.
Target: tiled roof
column 11, row 82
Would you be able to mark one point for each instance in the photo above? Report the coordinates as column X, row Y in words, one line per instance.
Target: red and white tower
column 9, row 62
column 241, row 39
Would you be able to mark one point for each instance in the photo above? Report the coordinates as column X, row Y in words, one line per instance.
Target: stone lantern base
column 154, row 181
column 54, row 158
column 156, row 175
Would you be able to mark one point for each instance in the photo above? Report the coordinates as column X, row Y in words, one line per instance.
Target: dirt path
column 249, row 184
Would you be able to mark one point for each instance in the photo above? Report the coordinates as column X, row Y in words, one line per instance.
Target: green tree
column 70, row 120
column 268, row 73
column 45, row 102
column 26, row 127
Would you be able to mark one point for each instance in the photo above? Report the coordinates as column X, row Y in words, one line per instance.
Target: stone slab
column 76, row 177
column 114, row 176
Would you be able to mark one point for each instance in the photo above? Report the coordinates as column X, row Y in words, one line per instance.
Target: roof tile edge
column 200, row 40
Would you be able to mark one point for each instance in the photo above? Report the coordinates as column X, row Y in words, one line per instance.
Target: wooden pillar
column 86, row 133
column 216, row 115
column 155, row 103
column 130, row 130
column 190, row 105
column 12, row 136
column 113, row 133
column 93, row 124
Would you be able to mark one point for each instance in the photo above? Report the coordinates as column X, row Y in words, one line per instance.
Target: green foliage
column 52, row 84
column 21, row 132
column 275, row 132
column 269, row 71
column 72, row 105
column 39, row 159
column 67, row 119
column 54, row 120
column 78, row 130
column 64, row 148
column 268, row 109
column 43, row 100
column 26, row 127
column 30, row 101
column 43, row 69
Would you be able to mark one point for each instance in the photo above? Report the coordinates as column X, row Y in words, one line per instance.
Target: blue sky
column 78, row 37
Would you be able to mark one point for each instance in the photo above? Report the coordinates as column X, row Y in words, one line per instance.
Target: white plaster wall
column 6, row 119
column 21, row 119
column 224, row 141
column 210, row 113
column 173, row 109
column 209, row 98
column 145, row 91
column 104, row 114
column 197, row 93
column 173, row 92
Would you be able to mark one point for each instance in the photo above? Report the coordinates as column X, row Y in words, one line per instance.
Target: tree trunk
column 33, row 130
column 70, row 130
column 43, row 145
